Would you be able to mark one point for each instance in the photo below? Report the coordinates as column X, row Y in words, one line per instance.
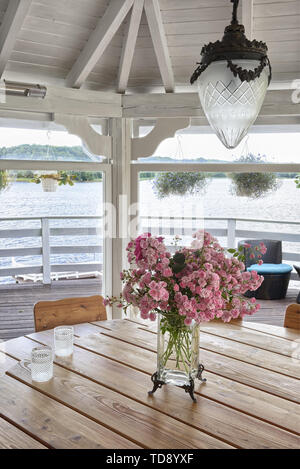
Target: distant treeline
column 150, row 175
column 82, row 176
column 87, row 176
column 44, row 152
column 77, row 153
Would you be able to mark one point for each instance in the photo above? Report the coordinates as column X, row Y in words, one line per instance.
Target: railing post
column 231, row 227
column 46, row 251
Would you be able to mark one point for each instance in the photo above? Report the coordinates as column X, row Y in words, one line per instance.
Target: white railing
column 44, row 233
column 229, row 230
column 183, row 226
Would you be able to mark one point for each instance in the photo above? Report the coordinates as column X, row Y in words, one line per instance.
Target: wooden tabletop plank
column 283, row 332
column 252, row 401
column 55, row 424
column 6, row 363
column 251, row 337
column 139, row 423
column 229, row 411
column 209, row 416
column 12, row 437
column 249, row 354
column 251, row 375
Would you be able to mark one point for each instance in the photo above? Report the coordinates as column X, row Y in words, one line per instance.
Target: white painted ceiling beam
column 276, row 104
column 247, row 17
column 10, row 27
column 129, row 45
column 98, row 41
column 159, row 40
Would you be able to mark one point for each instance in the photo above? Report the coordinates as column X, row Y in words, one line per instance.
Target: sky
column 278, row 147
column 12, row 137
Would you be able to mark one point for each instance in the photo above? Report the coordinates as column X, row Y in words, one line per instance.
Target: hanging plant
column 4, row 180
column 174, row 183
column 253, row 185
column 297, row 181
column 51, row 181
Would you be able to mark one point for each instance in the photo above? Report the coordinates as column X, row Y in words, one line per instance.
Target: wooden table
column 98, row 398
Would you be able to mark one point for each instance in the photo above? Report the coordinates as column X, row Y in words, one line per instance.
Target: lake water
column 85, row 199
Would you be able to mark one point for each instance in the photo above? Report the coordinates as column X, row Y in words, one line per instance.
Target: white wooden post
column 46, row 251
column 121, row 198
column 231, row 227
column 107, row 240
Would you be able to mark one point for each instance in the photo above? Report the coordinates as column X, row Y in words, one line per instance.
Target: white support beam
column 80, row 126
column 218, row 167
column 276, row 104
column 10, row 27
column 164, row 128
column 247, row 17
column 67, row 101
column 48, row 165
column 129, row 45
column 159, row 40
column 98, row 41
column 121, row 185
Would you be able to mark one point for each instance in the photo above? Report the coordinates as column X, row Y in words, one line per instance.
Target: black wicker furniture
column 276, row 274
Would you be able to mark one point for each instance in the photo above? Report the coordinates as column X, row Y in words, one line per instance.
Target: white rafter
column 98, row 41
column 160, row 43
column 247, row 17
column 10, row 27
column 129, row 45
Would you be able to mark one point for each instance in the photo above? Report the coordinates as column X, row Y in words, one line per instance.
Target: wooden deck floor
column 17, row 301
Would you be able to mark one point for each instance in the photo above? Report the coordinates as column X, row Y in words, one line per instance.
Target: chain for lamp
column 235, row 45
column 234, row 11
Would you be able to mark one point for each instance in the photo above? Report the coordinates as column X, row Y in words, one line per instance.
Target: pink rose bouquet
column 196, row 284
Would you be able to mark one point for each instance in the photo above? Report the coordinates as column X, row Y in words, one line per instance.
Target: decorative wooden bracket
column 164, row 128
column 80, row 126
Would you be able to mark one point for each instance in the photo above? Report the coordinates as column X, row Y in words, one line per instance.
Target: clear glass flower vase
column 177, row 352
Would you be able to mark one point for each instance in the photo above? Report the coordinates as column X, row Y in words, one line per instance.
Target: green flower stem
column 179, row 341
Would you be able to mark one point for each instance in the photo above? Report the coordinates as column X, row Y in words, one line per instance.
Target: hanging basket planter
column 49, row 185
column 4, row 180
column 253, row 185
column 50, row 182
column 175, row 183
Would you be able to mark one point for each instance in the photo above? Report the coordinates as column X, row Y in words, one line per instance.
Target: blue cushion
column 271, row 268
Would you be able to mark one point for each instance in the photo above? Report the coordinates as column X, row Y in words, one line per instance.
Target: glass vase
column 177, row 351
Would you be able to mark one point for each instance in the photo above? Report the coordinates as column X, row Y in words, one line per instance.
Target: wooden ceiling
column 135, row 45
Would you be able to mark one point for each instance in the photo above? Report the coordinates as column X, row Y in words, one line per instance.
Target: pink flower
column 167, row 272
column 188, row 321
column 208, row 285
column 158, row 291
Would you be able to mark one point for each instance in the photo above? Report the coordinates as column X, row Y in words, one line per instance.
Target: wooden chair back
column 292, row 317
column 69, row 311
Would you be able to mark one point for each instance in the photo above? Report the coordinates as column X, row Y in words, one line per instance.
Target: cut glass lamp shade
column 230, row 105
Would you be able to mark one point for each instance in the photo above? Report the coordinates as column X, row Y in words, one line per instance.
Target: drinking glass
column 63, row 340
column 41, row 364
